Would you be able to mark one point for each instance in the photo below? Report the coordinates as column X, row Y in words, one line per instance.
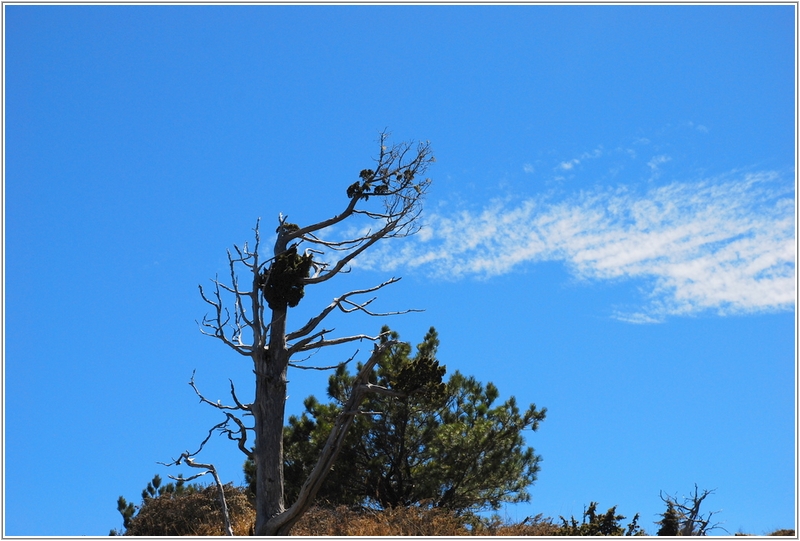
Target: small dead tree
column 249, row 315
column 690, row 521
column 187, row 458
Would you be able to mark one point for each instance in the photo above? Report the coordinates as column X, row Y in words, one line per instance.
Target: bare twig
column 209, row 468
column 238, row 406
column 218, row 322
column 309, row 343
column 362, row 308
column 336, row 303
column 236, row 400
column 294, row 364
column 332, row 367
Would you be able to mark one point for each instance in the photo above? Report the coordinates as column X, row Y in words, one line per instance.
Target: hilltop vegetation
column 429, row 458
column 195, row 512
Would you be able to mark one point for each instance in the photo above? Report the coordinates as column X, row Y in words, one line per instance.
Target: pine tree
column 447, row 445
column 670, row 523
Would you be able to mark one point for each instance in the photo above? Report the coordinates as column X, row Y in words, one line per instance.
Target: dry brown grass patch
column 321, row 521
column 193, row 514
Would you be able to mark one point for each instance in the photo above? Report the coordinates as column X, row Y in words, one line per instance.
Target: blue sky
column 610, row 233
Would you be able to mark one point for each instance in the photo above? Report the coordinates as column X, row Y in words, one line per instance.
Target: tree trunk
column 282, row 525
column 268, row 413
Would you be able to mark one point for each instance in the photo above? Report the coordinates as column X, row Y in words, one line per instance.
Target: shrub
column 604, row 524
column 196, row 513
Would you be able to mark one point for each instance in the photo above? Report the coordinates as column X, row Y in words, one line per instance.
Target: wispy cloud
column 698, row 127
column 726, row 245
column 566, row 166
column 656, row 161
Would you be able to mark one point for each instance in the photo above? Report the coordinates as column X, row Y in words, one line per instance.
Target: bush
column 196, row 513
column 531, row 526
column 605, row 524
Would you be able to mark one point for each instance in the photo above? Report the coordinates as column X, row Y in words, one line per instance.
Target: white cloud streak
column 722, row 245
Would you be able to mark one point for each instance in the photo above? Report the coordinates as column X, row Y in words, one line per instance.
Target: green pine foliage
column 449, row 444
column 127, row 510
column 670, row 522
column 594, row 524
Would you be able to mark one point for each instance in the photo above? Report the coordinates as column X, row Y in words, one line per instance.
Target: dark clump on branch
column 357, row 189
column 287, row 227
column 373, row 183
column 283, row 284
column 354, row 190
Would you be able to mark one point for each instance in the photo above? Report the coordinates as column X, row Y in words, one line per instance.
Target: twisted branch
column 209, row 468
column 238, row 406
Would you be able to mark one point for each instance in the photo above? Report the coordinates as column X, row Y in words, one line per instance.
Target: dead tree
column 249, row 315
column 690, row 521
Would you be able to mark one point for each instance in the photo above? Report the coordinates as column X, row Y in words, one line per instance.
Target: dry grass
column 543, row 528
column 193, row 514
column 340, row 521
column 198, row 514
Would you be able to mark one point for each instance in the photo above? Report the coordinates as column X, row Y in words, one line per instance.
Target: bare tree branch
column 318, row 368
column 177, row 461
column 241, row 406
column 333, row 245
column 241, row 440
column 222, row 427
column 395, row 183
column 209, row 468
column 217, row 405
column 362, row 308
column 337, row 303
column 339, row 265
column 218, row 323
column 321, row 368
column 307, row 344
column 294, row 364
column 240, row 435
column 378, row 389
